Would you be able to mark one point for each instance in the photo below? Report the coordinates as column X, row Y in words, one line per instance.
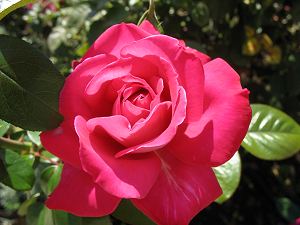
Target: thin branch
column 14, row 145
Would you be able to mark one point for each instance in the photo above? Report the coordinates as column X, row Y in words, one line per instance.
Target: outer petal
column 224, row 123
column 203, row 57
column 63, row 142
column 123, row 177
column 147, row 26
column 72, row 98
column 180, row 192
column 114, row 39
column 79, row 195
column 187, row 65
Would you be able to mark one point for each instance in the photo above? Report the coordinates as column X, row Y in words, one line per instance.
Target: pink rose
column 297, row 221
column 145, row 118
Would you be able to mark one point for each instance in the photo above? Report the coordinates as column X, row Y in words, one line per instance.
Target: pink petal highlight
column 180, row 192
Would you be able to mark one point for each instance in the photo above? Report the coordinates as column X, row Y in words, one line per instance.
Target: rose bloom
column 297, row 221
column 145, row 119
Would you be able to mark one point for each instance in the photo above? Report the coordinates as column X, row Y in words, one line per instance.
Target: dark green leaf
column 9, row 6
column 126, row 212
column 3, row 127
column 22, row 211
column 200, row 14
column 289, row 210
column 272, row 135
column 50, row 177
column 19, row 174
column 229, row 175
column 29, row 86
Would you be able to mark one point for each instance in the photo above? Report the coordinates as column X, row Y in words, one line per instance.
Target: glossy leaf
column 34, row 136
column 18, row 173
column 47, row 157
column 29, row 158
column 3, row 127
column 7, row 6
column 30, row 86
column 272, row 134
column 126, row 212
column 50, row 177
column 228, row 176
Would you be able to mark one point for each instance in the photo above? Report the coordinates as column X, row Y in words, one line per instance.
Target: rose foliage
column 145, row 119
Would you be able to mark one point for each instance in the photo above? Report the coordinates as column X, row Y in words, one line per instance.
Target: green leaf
column 18, row 171
column 29, row 158
column 22, row 211
column 200, row 14
column 47, row 157
column 50, row 177
column 9, row 198
column 3, row 127
column 126, row 212
column 29, row 86
column 114, row 15
column 34, row 136
column 288, row 210
column 272, row 134
column 38, row 214
column 7, row 6
column 229, row 175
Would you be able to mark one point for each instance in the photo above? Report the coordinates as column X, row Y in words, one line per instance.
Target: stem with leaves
column 15, row 145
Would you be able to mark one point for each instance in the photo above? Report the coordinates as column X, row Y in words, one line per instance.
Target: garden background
column 259, row 38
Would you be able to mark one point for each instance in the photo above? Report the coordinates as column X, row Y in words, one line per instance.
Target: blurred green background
column 259, row 38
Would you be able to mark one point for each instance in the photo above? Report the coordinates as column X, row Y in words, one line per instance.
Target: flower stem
column 151, row 11
column 14, row 145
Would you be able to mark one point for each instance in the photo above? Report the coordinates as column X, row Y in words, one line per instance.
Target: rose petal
column 165, row 137
column 200, row 55
column 119, row 128
column 224, row 123
column 72, row 98
column 147, row 26
column 105, row 87
column 114, row 39
column 124, row 178
column 187, row 65
column 180, row 192
column 79, row 195
column 62, row 142
column 133, row 113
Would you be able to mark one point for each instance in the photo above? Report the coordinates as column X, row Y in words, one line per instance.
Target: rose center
column 140, row 98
